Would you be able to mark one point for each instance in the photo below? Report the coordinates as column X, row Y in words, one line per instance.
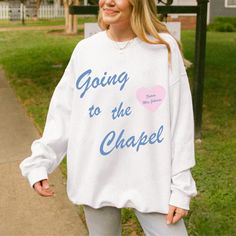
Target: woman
column 122, row 113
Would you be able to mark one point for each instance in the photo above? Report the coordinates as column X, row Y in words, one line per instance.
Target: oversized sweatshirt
column 124, row 120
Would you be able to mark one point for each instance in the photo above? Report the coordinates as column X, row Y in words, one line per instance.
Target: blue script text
column 86, row 81
column 114, row 141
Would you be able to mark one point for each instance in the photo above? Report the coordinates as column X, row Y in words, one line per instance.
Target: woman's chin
column 110, row 19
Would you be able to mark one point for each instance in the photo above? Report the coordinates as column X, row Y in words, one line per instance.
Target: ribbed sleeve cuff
column 36, row 175
column 179, row 199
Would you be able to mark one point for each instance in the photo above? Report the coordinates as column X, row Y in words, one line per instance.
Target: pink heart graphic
column 151, row 98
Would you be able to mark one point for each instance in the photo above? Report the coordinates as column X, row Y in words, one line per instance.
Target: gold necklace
column 117, row 44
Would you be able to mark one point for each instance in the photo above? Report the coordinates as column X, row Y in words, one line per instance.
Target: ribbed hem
column 36, row 175
column 179, row 199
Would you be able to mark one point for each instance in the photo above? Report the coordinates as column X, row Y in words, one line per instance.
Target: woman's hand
column 42, row 188
column 175, row 214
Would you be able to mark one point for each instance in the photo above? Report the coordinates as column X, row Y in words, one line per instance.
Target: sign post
column 199, row 69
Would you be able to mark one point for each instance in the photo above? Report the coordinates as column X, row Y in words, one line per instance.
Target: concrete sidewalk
column 22, row 211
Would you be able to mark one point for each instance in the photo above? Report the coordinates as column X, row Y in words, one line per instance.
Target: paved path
column 22, row 211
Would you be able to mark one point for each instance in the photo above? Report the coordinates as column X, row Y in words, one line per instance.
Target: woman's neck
column 120, row 34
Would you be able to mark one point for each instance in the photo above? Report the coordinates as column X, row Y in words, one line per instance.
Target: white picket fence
column 4, row 11
column 45, row 12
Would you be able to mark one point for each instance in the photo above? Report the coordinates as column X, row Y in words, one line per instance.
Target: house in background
column 215, row 8
column 188, row 21
column 222, row 8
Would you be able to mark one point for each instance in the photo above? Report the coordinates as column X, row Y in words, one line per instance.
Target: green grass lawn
column 44, row 22
column 34, row 62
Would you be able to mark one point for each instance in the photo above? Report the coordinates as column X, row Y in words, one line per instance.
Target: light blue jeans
column 106, row 221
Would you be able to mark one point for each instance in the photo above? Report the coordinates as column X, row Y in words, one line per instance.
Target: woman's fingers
column 177, row 217
column 45, row 184
column 179, row 213
column 170, row 215
column 42, row 188
column 175, row 214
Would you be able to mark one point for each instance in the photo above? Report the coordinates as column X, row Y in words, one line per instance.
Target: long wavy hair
column 144, row 22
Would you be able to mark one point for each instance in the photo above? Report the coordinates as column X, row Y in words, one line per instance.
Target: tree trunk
column 66, row 13
column 71, row 23
column 38, row 3
column 75, row 19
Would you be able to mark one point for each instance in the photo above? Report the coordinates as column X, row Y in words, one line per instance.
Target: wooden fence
column 45, row 12
column 4, row 11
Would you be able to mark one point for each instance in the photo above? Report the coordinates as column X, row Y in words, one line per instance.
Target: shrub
column 223, row 24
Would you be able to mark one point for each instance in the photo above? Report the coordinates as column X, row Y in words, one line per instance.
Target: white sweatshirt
column 125, row 120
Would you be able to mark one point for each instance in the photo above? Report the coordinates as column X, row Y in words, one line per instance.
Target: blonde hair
column 144, row 22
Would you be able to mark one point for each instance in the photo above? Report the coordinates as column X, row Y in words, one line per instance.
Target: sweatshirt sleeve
column 183, row 186
column 50, row 149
